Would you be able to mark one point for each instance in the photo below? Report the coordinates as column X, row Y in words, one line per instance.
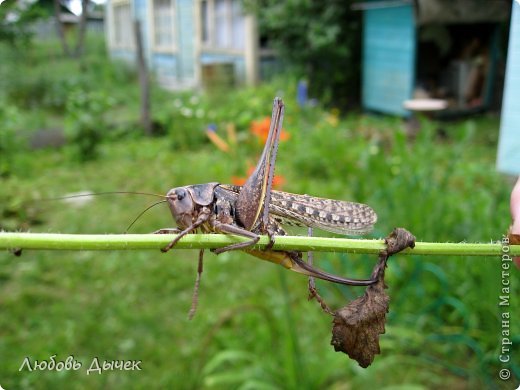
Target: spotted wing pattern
column 335, row 216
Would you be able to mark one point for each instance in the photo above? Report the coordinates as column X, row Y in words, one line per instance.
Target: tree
column 82, row 28
column 59, row 28
column 16, row 18
column 321, row 40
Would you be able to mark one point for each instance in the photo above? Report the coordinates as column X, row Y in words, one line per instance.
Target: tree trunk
column 82, row 28
column 144, row 81
column 59, row 28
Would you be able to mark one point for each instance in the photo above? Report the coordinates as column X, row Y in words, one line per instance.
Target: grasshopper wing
column 335, row 216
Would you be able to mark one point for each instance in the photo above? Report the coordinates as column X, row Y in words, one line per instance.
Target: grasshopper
column 254, row 209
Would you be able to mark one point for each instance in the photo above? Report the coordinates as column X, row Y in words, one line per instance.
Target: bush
column 10, row 141
column 85, row 125
column 26, row 81
column 320, row 40
column 18, row 209
column 186, row 116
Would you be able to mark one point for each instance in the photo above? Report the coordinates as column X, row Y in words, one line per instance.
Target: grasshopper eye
column 181, row 193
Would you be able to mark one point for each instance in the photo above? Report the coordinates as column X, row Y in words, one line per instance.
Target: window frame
column 210, row 27
column 127, row 44
column 168, row 49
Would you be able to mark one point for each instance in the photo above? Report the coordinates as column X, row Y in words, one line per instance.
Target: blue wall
column 389, row 52
column 178, row 67
column 508, row 160
column 186, row 38
column 165, row 65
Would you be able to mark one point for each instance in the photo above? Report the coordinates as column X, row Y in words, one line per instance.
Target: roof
column 447, row 11
column 462, row 11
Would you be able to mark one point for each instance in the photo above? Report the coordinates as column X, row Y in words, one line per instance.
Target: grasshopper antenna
column 113, row 193
column 142, row 213
column 102, row 193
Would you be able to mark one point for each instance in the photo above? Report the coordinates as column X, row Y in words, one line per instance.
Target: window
column 222, row 24
column 123, row 37
column 204, row 21
column 163, row 22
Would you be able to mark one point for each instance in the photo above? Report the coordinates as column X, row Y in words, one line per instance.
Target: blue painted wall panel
column 140, row 10
column 124, row 55
column 389, row 51
column 186, row 38
column 508, row 160
column 165, row 66
column 178, row 67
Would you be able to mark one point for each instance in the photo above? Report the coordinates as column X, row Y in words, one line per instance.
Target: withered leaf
column 398, row 240
column 357, row 326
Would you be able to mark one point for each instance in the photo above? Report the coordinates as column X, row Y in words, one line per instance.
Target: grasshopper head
column 182, row 206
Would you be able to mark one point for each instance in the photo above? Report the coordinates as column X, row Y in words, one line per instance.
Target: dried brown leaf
column 357, row 326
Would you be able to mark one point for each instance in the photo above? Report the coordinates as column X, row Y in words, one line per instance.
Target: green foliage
column 182, row 117
column 16, row 19
column 254, row 327
column 85, row 121
column 443, row 319
column 185, row 116
column 27, row 82
column 10, row 142
column 320, row 39
column 18, row 211
column 47, row 99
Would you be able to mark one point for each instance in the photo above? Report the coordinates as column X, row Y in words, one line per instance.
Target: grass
column 254, row 327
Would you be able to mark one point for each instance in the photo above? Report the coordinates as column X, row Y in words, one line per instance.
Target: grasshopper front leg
column 202, row 217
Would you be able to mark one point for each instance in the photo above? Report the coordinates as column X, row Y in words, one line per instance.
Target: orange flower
column 238, row 181
column 278, row 181
column 261, row 130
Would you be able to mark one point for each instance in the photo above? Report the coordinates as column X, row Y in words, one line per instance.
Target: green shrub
column 10, row 140
column 185, row 116
column 18, row 209
column 85, row 126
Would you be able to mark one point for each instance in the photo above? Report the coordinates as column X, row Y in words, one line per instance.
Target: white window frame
column 210, row 44
column 155, row 45
column 128, row 41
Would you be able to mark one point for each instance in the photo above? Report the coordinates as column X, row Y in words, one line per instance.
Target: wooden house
column 187, row 43
column 437, row 49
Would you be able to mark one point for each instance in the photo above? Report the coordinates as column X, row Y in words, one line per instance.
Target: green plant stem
column 208, row 241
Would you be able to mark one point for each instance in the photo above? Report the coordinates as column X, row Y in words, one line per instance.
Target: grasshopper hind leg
column 232, row 229
column 313, row 291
